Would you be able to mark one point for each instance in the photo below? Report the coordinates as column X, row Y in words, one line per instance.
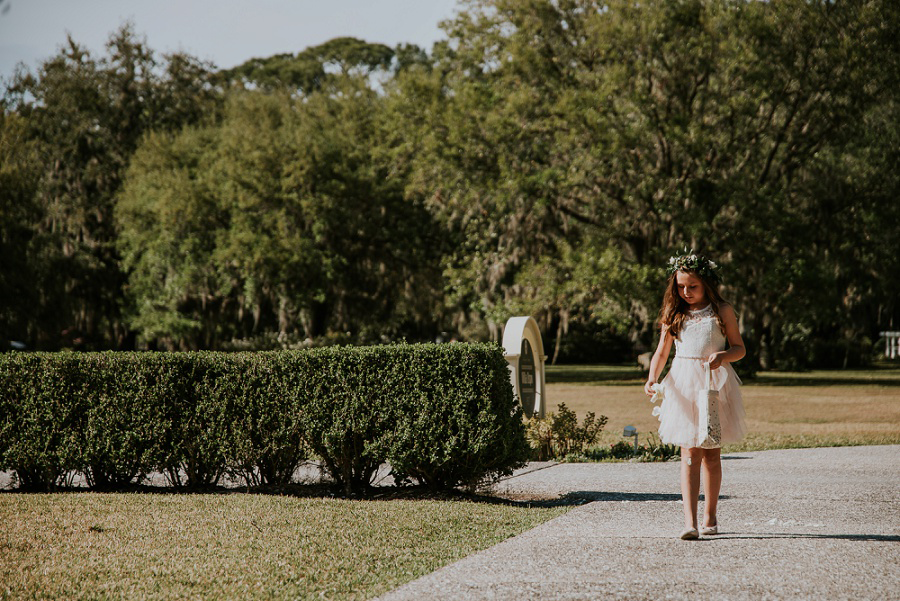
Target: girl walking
column 700, row 322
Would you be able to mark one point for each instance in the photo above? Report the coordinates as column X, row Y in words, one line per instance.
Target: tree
column 546, row 158
column 645, row 128
column 311, row 69
column 22, row 278
column 169, row 218
column 281, row 219
column 85, row 117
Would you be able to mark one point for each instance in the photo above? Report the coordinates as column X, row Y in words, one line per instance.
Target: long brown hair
column 674, row 308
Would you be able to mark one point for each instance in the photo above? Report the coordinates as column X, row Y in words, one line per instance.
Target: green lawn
column 253, row 546
column 784, row 409
column 236, row 546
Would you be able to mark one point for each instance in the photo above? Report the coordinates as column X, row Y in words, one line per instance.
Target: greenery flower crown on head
column 690, row 261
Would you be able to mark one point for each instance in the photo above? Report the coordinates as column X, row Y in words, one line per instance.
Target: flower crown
column 691, row 261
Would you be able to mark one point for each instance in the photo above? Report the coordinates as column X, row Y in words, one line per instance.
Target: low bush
column 42, row 418
column 264, row 443
column 654, row 450
column 122, row 425
column 559, row 435
column 440, row 415
column 457, row 422
column 345, row 406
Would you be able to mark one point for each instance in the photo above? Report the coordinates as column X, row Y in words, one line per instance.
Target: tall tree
column 23, row 276
column 647, row 127
column 87, row 115
column 282, row 219
column 313, row 68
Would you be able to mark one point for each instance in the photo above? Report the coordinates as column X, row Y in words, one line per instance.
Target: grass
column 784, row 409
column 237, row 546
column 250, row 546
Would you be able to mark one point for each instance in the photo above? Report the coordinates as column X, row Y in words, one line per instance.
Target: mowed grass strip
column 784, row 409
column 236, row 546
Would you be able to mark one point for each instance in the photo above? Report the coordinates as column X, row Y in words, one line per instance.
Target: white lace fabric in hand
column 659, row 391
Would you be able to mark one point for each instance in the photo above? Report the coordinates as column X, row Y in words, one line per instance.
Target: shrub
column 111, row 416
column 540, row 435
column 199, row 406
column 559, row 434
column 441, row 415
column 264, row 443
column 42, row 418
column 621, row 450
column 654, row 450
column 343, row 410
column 457, row 421
column 119, row 440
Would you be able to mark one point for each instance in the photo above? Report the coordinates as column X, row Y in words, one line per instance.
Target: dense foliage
column 558, row 435
column 545, row 158
column 440, row 415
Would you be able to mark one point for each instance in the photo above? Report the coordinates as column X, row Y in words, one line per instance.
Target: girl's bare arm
column 659, row 359
column 736, row 349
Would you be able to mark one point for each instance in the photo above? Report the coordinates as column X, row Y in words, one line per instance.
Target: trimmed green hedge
column 440, row 415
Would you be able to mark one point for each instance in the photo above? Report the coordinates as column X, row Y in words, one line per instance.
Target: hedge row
column 440, row 415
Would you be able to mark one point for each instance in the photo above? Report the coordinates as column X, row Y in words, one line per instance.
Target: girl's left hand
column 715, row 360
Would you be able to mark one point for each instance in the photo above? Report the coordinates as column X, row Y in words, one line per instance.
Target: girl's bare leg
column 712, row 483
column 690, row 484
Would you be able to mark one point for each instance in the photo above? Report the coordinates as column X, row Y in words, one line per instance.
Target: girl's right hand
column 648, row 387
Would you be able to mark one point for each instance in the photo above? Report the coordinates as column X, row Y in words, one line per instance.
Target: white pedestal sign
column 524, row 352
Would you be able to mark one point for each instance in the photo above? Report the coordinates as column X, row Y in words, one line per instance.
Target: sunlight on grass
column 236, row 546
column 784, row 409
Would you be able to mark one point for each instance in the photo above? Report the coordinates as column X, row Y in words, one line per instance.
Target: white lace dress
column 679, row 415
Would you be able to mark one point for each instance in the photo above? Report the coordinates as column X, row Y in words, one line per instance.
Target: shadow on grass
column 322, row 491
column 378, row 493
column 594, row 374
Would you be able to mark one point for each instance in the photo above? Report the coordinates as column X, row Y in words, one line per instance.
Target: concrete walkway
column 796, row 524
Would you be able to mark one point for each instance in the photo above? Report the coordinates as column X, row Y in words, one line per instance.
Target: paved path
column 796, row 524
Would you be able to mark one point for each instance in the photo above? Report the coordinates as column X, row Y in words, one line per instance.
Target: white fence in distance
column 891, row 344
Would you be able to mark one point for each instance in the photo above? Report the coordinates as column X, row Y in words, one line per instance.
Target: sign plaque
column 527, row 384
column 524, row 351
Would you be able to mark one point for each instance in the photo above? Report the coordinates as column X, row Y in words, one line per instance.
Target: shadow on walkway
column 589, row 495
column 881, row 538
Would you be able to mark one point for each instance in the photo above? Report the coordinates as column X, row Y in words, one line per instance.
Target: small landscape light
column 631, row 431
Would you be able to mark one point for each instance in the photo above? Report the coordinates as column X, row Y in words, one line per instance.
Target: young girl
column 696, row 318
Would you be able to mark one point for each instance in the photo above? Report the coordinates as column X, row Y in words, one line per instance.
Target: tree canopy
column 545, row 158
